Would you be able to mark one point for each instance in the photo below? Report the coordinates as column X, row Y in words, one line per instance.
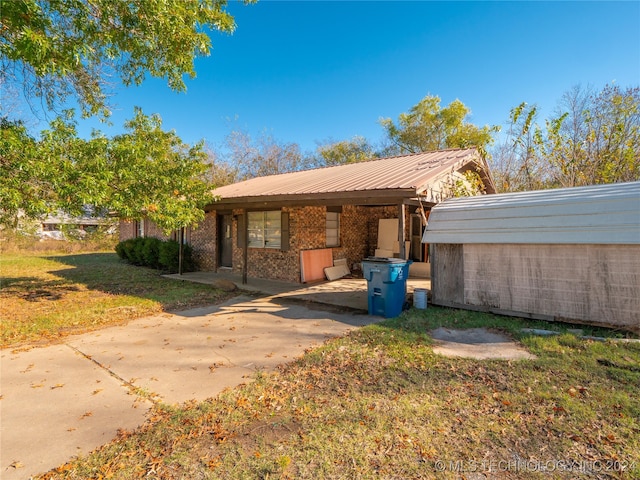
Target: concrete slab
column 64, row 400
column 348, row 293
column 56, row 404
column 185, row 356
column 477, row 343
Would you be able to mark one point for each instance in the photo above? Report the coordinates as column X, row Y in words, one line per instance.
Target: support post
column 245, row 251
column 401, row 229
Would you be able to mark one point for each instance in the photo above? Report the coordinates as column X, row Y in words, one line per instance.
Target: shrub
column 155, row 253
column 124, row 249
column 137, row 256
column 169, row 256
column 151, row 252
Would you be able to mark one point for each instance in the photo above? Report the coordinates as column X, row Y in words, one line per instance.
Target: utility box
column 386, row 284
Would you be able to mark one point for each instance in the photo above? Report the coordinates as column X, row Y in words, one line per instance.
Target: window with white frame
column 140, row 228
column 265, row 229
column 333, row 229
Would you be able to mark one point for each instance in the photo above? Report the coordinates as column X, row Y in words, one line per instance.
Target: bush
column 123, row 248
column 151, row 252
column 137, row 257
column 169, row 256
column 155, row 253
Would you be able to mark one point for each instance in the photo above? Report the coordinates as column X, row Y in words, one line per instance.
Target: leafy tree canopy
column 429, row 127
column 144, row 172
column 24, row 189
column 592, row 138
column 358, row 149
column 57, row 48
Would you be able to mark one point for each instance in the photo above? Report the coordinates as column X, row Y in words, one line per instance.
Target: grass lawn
column 44, row 297
column 379, row 403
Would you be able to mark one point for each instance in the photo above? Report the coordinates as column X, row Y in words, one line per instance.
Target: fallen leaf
column 16, row 465
column 29, row 367
column 57, row 385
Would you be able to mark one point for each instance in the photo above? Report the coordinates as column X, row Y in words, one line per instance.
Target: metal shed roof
column 404, row 176
column 599, row 214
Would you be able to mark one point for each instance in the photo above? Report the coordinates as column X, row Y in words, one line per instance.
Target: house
column 62, row 225
column 569, row 254
column 290, row 226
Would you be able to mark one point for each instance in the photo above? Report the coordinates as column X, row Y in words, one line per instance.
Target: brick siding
column 307, row 230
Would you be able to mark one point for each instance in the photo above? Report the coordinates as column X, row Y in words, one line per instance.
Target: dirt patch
column 477, row 343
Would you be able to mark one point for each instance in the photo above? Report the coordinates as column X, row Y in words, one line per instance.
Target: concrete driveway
column 65, row 400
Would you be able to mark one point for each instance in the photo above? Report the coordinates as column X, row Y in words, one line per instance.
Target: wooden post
column 180, row 250
column 245, row 251
column 401, row 229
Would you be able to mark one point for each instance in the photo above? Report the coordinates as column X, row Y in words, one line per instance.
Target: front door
column 225, row 241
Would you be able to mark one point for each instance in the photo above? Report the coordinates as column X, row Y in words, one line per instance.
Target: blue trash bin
column 386, row 285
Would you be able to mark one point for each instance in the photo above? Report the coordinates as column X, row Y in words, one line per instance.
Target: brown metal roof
column 402, row 176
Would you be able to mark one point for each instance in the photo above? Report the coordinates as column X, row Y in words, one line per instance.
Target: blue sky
column 308, row 71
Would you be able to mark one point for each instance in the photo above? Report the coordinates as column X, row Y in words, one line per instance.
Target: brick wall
column 127, row 230
column 307, row 230
column 204, row 242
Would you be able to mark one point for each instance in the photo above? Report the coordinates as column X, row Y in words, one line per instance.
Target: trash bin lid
column 384, row 260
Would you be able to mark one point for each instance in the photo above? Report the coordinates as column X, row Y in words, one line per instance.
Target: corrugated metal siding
column 393, row 173
column 599, row 214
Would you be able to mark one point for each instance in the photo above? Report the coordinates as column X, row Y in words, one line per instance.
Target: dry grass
column 46, row 297
column 379, row 403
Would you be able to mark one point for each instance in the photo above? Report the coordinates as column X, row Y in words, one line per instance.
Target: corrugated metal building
column 569, row 254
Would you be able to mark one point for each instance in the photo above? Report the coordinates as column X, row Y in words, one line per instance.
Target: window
column 186, row 235
column 265, row 229
column 333, row 229
column 140, row 228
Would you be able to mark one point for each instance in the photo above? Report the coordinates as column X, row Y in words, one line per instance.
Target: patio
column 345, row 293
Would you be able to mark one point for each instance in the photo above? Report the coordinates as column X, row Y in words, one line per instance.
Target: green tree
column 149, row 173
column 55, row 49
column 357, row 149
column 429, row 127
column 518, row 165
column 613, row 135
column 60, row 50
column 24, row 189
column 144, row 172
column 592, row 138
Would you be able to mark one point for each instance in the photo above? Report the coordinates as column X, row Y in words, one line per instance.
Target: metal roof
column 598, row 214
column 406, row 176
